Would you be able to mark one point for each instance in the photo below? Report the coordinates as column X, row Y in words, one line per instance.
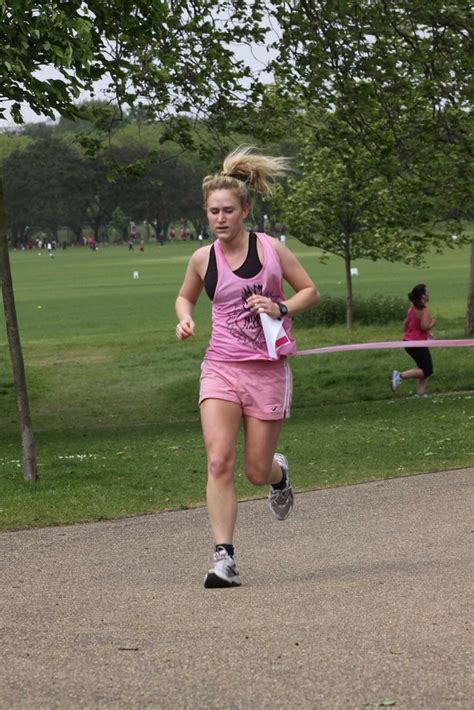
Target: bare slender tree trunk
column 349, row 295
column 469, row 324
column 30, row 471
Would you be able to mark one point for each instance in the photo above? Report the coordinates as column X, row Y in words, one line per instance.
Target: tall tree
column 357, row 202
column 175, row 56
column 30, row 469
column 398, row 73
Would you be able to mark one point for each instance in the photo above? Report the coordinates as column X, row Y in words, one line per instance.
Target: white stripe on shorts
column 288, row 388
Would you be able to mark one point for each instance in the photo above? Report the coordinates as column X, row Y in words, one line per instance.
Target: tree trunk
column 349, row 297
column 469, row 323
column 30, row 471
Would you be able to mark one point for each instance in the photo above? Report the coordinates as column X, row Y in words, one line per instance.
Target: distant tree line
column 51, row 184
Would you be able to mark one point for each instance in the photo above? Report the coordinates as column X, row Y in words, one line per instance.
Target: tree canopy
column 349, row 201
column 401, row 56
column 399, row 76
column 50, row 184
column 173, row 58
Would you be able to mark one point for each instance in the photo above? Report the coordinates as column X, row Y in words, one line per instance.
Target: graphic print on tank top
column 237, row 333
column 246, row 326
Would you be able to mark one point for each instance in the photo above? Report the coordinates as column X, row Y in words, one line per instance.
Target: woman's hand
column 261, row 304
column 185, row 328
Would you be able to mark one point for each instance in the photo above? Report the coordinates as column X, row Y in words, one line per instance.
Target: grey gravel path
column 362, row 597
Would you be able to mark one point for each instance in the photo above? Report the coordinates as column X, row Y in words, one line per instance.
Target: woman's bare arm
column 189, row 293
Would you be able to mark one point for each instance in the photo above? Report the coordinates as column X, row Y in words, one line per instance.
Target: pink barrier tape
column 389, row 344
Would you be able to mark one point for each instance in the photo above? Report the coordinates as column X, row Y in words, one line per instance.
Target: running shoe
column 224, row 573
column 281, row 500
column 396, row 380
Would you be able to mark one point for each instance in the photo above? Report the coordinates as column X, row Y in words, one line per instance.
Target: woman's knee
column 220, row 466
column 258, row 474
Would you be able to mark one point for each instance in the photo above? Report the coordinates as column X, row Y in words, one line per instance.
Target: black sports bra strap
column 252, row 263
column 250, row 268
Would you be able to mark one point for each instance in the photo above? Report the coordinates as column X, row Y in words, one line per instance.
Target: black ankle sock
column 228, row 548
column 283, row 483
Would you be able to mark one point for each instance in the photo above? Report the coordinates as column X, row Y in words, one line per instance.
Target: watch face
column 283, row 309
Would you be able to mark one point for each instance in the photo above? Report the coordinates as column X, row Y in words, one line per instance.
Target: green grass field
column 114, row 394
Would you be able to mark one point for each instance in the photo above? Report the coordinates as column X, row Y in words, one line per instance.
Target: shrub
column 374, row 310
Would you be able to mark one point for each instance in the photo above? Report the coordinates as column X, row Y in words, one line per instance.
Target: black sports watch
column 283, row 310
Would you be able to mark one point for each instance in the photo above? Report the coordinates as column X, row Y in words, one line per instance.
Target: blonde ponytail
column 247, row 173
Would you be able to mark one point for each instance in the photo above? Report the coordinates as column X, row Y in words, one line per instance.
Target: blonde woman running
column 241, row 380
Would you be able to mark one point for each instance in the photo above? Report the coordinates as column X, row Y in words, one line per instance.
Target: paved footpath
column 361, row 599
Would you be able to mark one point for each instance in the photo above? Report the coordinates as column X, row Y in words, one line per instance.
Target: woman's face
column 425, row 297
column 225, row 214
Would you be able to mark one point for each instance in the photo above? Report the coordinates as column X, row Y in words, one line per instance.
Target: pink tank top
column 237, row 334
column 412, row 327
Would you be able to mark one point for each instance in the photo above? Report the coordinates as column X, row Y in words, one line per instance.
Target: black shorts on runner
column 422, row 357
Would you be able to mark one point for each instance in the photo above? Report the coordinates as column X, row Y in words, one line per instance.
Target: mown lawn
column 113, row 393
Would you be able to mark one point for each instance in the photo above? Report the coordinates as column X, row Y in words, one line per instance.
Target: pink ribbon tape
column 389, row 344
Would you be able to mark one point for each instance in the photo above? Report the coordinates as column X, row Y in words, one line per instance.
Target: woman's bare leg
column 421, row 385
column 261, row 439
column 263, row 466
column 415, row 374
column 220, row 424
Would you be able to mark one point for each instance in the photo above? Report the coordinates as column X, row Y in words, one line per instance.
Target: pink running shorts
column 263, row 388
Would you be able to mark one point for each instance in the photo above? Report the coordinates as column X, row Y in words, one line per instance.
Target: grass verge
column 113, row 395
